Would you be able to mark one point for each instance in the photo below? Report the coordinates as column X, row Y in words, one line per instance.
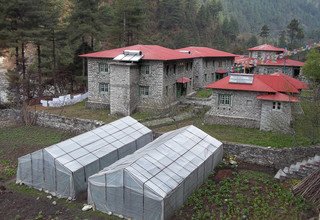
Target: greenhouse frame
column 64, row 168
column 157, row 179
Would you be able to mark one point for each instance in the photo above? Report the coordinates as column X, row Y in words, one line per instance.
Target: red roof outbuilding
column 278, row 85
column 267, row 47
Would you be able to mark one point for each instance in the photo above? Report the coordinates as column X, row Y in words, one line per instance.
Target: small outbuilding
column 64, row 168
column 157, row 179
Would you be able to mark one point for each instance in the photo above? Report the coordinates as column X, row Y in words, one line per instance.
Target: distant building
column 267, row 59
column 143, row 76
column 255, row 101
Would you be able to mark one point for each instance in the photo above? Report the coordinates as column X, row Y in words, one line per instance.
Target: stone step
column 299, row 169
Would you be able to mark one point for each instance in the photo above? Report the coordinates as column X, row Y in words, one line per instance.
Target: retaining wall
column 276, row 158
column 53, row 121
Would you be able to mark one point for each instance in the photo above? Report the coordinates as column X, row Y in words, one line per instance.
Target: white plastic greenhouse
column 63, row 169
column 157, row 179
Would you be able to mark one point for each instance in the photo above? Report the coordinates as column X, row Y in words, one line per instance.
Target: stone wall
column 276, row 158
column 272, row 69
column 204, row 69
column 154, row 79
column 275, row 119
column 76, row 125
column 244, row 110
column 95, row 98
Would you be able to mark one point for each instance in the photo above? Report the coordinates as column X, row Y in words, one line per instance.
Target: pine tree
column 295, row 33
column 265, row 32
column 282, row 42
column 128, row 21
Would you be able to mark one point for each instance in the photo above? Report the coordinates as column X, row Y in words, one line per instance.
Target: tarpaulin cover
column 157, row 179
column 64, row 168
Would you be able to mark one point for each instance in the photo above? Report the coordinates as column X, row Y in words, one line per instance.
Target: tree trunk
column 23, row 62
column 40, row 92
column 54, row 61
column 17, row 57
column 92, row 45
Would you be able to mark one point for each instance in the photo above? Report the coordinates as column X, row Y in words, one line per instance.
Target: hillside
column 253, row 14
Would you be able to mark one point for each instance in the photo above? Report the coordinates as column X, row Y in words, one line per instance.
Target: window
column 206, row 63
column 145, row 69
column 187, row 66
column 213, row 64
column 174, row 69
column 167, row 90
column 224, row 99
column 191, row 65
column 174, row 89
column 167, row 70
column 220, row 63
column 103, row 68
column 205, row 77
column 276, row 105
column 103, row 88
column 144, row 90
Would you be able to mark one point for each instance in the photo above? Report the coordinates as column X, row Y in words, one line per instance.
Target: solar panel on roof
column 129, row 55
column 241, row 79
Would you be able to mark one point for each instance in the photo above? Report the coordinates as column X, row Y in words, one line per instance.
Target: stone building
column 267, row 59
column 255, row 101
column 209, row 65
column 143, row 76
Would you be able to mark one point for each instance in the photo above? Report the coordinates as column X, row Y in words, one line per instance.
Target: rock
column 233, row 162
column 38, row 198
column 54, row 203
column 49, row 197
column 86, row 207
column 109, row 213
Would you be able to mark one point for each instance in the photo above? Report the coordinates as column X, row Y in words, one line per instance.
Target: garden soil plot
column 21, row 202
column 245, row 192
column 16, row 141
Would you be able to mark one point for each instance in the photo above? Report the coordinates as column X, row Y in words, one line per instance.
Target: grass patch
column 204, row 93
column 242, row 135
column 18, row 141
column 245, row 195
column 79, row 110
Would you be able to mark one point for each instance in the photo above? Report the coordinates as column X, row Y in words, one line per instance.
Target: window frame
column 105, row 89
column 277, row 106
column 106, row 66
column 144, row 91
column 145, row 69
column 224, row 99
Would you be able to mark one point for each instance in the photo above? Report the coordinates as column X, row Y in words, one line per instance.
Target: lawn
column 204, row 93
column 20, row 140
column 244, row 194
column 242, row 135
column 79, row 110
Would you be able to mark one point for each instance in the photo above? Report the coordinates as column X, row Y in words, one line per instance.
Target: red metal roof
column 295, row 82
column 149, row 52
column 278, row 83
column 282, row 62
column 279, row 62
column 183, row 80
column 266, row 47
column 280, row 97
column 262, row 83
column 257, row 85
column 198, row 52
column 221, row 71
